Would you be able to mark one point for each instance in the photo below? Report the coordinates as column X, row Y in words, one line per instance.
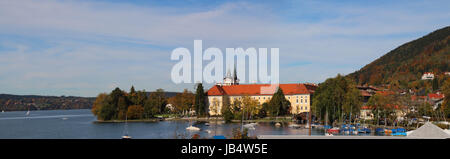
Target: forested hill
column 33, row 102
column 10, row 102
column 407, row 63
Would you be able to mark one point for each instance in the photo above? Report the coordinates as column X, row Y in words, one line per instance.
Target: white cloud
column 94, row 45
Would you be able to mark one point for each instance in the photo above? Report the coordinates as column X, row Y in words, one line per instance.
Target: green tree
column 435, row 84
column 200, row 100
column 446, row 103
column 226, row 109
column 336, row 98
column 158, row 99
column 278, row 105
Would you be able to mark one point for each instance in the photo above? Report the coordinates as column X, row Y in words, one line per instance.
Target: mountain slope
column 409, row 61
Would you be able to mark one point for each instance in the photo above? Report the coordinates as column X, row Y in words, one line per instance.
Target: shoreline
column 211, row 119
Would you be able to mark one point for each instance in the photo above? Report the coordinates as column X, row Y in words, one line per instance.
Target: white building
column 427, row 76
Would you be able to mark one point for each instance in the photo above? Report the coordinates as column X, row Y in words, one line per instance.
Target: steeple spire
column 235, row 78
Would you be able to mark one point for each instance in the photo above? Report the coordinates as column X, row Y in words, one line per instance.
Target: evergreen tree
column 200, row 100
column 278, row 105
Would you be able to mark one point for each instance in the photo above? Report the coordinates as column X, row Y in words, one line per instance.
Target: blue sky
column 82, row 48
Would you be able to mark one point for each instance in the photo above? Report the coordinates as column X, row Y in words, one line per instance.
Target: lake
column 80, row 124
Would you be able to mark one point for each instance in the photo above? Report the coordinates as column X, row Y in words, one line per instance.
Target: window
column 302, row 108
column 297, row 101
column 306, row 100
column 289, row 97
column 301, row 101
column 264, row 97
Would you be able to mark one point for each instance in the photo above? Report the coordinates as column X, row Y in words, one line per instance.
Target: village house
column 399, row 111
column 428, row 76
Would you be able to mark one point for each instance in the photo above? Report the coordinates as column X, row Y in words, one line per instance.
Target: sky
column 86, row 47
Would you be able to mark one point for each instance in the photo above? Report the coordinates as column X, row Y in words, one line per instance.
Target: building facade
column 297, row 94
column 428, row 76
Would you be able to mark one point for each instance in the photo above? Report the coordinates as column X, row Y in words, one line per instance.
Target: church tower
column 230, row 80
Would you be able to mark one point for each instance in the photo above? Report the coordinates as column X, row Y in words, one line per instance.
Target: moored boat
column 193, row 128
column 277, row 124
column 399, row 132
column 294, row 126
column 379, row 130
column 334, row 130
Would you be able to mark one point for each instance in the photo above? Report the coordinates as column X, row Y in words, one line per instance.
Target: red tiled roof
column 255, row 89
column 435, row 96
column 418, row 97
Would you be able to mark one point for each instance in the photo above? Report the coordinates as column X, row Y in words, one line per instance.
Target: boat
column 64, row 118
column 296, row 126
column 250, row 126
column 379, row 130
column 399, row 132
column 3, row 111
column 193, row 128
column 307, row 126
column 208, row 131
column 364, row 130
column 277, row 124
column 219, row 137
column 206, row 124
column 28, row 113
column 334, row 130
column 126, row 136
column 387, row 131
column 329, row 134
column 327, row 127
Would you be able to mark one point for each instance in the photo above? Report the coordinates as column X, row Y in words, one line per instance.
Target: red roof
column 255, row 89
column 435, row 96
column 418, row 97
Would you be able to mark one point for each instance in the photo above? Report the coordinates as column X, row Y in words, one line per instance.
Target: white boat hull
column 193, row 128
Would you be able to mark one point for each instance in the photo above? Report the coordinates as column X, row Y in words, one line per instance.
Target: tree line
column 121, row 105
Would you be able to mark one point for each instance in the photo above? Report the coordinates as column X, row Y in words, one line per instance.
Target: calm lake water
column 79, row 124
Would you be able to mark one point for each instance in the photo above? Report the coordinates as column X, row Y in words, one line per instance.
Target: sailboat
column 126, row 136
column 191, row 127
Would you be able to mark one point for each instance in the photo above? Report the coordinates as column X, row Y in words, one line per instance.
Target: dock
column 340, row 137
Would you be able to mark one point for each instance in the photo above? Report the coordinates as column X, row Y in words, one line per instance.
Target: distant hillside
column 407, row 63
column 167, row 94
column 33, row 102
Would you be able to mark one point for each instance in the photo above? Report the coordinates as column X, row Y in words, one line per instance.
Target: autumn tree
column 182, row 102
column 251, row 106
column 135, row 112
